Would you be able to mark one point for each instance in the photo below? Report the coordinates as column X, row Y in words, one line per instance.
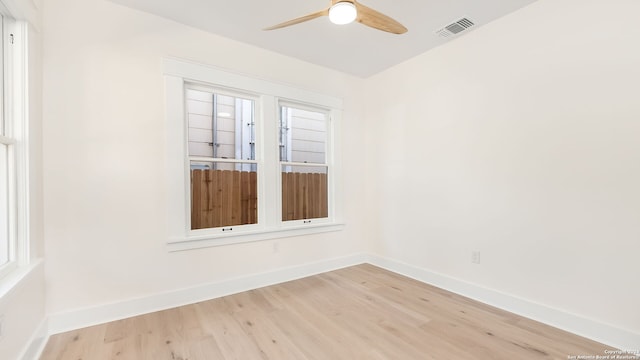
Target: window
column 303, row 161
column 248, row 159
column 13, row 145
column 6, row 144
column 222, row 162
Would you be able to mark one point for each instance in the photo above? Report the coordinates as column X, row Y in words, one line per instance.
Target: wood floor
column 361, row 312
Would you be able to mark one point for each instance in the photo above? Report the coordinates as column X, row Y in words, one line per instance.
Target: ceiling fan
column 346, row 11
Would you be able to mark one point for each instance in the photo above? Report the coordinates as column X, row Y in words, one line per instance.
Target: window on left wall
column 13, row 145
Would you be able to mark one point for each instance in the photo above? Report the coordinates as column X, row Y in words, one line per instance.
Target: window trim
column 177, row 74
column 15, row 108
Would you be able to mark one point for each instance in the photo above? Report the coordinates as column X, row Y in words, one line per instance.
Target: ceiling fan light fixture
column 343, row 12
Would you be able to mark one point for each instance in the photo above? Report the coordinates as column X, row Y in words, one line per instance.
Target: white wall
column 23, row 306
column 519, row 139
column 104, row 156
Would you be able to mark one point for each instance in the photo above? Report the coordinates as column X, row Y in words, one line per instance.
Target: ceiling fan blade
column 299, row 20
column 378, row 20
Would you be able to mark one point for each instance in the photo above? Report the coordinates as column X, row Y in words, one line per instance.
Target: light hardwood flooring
column 361, row 312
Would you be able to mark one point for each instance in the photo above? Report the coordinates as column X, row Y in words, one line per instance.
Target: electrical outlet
column 475, row 257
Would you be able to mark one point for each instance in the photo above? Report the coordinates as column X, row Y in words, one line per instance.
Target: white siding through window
column 306, row 134
column 200, row 118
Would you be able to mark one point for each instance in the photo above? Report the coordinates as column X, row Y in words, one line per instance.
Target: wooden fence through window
column 304, row 196
column 228, row 198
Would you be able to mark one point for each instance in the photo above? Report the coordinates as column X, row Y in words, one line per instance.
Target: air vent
column 455, row 27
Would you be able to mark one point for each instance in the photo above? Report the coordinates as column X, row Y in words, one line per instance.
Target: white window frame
column 268, row 96
column 15, row 115
column 329, row 161
column 221, row 231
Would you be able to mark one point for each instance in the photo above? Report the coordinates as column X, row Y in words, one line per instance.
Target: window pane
column 223, row 194
column 304, row 192
column 303, row 135
column 4, row 205
column 220, row 126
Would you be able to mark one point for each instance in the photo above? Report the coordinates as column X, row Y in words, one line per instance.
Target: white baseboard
column 76, row 319
column 38, row 341
column 591, row 329
column 80, row 318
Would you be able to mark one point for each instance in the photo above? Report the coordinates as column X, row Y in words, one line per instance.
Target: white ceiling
column 354, row 48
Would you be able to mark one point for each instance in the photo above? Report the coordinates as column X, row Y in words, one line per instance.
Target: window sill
column 205, row 241
column 16, row 277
